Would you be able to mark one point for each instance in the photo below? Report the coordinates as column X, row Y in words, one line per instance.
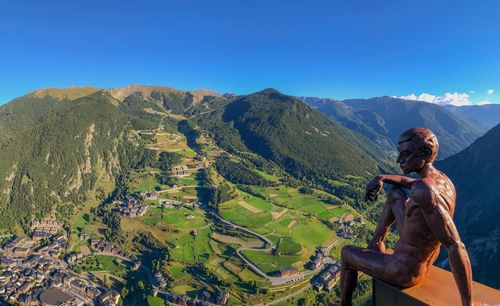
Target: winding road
column 275, row 281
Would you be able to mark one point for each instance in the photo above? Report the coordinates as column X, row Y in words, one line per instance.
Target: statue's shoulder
column 424, row 194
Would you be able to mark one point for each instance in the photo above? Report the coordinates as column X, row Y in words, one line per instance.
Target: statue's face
column 408, row 159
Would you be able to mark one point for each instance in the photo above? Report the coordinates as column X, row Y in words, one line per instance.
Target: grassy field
column 155, row 301
column 267, row 176
column 311, row 233
column 175, row 269
column 102, row 263
column 313, row 204
column 186, row 153
column 271, row 263
column 175, row 217
column 287, row 246
column 144, row 182
column 187, row 181
column 236, row 213
column 190, row 249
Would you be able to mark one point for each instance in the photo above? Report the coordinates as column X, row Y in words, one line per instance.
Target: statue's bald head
column 423, row 141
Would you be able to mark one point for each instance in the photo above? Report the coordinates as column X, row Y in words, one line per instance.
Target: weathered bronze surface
column 423, row 222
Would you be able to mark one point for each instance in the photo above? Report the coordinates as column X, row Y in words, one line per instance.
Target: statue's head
column 417, row 147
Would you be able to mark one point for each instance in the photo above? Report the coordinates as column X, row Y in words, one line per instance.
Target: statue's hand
column 373, row 188
column 377, row 246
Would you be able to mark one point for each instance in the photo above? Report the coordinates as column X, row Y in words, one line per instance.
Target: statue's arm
column 377, row 183
column 441, row 223
column 397, row 180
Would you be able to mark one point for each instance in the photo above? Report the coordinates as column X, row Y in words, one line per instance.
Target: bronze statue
column 423, row 221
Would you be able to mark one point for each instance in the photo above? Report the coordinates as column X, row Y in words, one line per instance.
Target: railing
column 438, row 288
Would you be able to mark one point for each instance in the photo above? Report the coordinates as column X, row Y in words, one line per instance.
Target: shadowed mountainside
column 475, row 173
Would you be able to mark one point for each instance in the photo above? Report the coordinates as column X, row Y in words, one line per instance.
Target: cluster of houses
column 160, row 280
column 40, row 277
column 168, row 204
column 74, row 258
column 172, row 203
column 108, row 248
column 109, row 298
column 19, row 247
column 132, row 208
column 149, row 195
column 327, row 279
column 180, row 171
column 20, row 276
column 346, row 230
column 43, row 229
column 205, row 299
column 317, row 259
column 346, row 226
column 184, row 170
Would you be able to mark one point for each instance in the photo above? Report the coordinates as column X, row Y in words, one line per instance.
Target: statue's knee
column 346, row 252
column 396, row 195
column 401, row 275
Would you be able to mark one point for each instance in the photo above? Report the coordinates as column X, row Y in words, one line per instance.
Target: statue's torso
column 418, row 245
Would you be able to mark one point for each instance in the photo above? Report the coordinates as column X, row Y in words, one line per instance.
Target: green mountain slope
column 55, row 156
column 286, row 131
column 475, row 173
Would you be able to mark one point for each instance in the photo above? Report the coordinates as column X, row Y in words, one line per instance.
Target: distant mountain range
column 476, row 174
column 383, row 119
column 486, row 116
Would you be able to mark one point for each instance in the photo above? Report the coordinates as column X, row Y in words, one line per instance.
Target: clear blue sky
column 339, row 49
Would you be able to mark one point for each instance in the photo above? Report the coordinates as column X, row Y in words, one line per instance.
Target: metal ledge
column 438, row 288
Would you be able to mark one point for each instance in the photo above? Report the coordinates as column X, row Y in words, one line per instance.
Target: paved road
column 177, row 188
column 283, row 299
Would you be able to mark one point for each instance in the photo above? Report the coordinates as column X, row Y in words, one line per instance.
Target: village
column 33, row 272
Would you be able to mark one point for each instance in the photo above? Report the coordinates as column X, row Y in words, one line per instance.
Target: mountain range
column 63, row 147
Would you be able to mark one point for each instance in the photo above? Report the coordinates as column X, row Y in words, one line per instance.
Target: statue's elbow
column 455, row 247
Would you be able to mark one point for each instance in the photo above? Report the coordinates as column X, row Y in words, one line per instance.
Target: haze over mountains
column 57, row 145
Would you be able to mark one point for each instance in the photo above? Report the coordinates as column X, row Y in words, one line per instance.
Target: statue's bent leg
column 356, row 259
column 394, row 211
column 397, row 200
column 385, row 267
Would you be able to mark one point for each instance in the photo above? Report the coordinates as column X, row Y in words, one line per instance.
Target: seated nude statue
column 423, row 221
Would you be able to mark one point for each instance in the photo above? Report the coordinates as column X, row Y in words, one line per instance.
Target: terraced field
column 297, row 229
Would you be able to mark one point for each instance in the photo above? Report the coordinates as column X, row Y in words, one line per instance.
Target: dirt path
column 249, row 207
column 291, row 224
column 277, row 215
